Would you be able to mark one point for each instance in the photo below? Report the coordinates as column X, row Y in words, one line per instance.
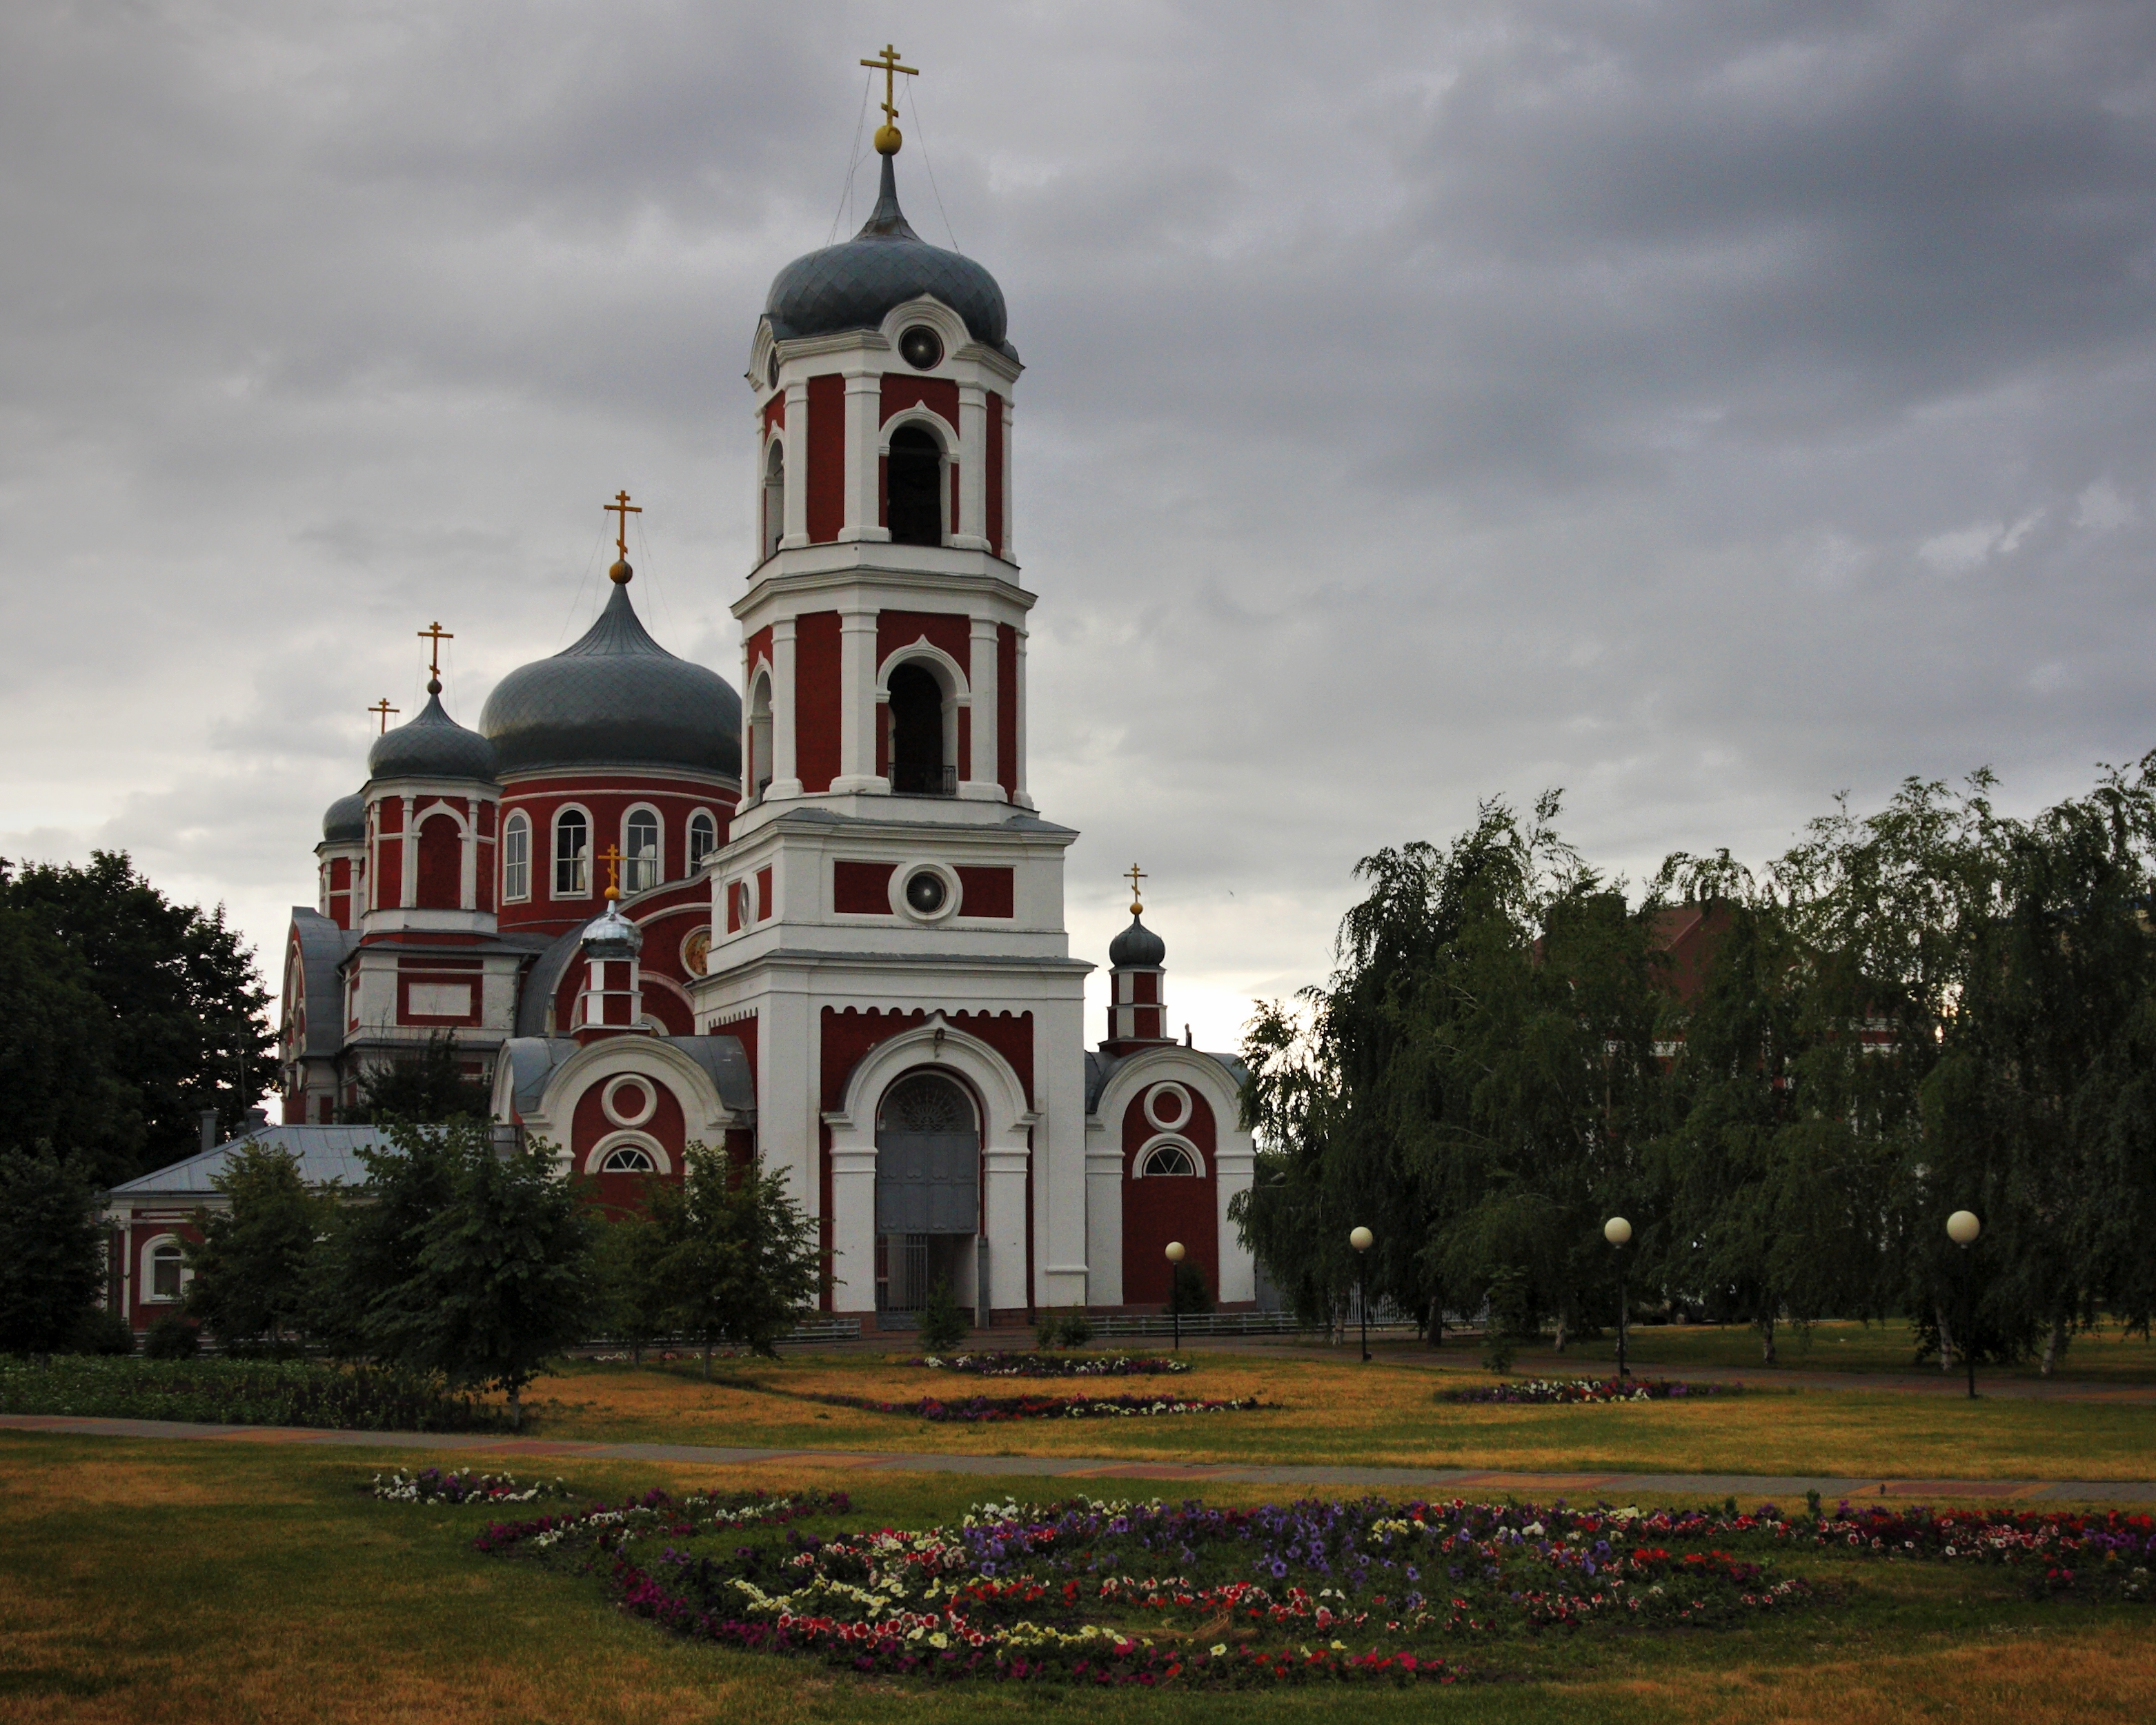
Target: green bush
column 1047, row 1334
column 172, row 1337
column 1498, row 1350
column 1075, row 1331
column 1186, row 1291
column 943, row 1325
column 103, row 1333
column 221, row 1392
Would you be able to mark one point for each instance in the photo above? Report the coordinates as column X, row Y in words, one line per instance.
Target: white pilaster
column 857, row 703
column 980, row 780
column 785, row 773
column 1059, row 1147
column 410, row 842
column 1018, row 767
column 863, row 508
column 1006, row 1167
column 468, row 863
column 1010, row 490
column 970, row 530
column 795, row 434
column 1103, row 1218
column 1236, row 1158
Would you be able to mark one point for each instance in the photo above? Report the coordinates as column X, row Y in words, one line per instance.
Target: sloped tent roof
column 325, row 1153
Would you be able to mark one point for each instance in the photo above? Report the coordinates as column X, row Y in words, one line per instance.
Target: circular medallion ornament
column 696, row 949
column 1167, row 1105
column 921, row 348
column 924, row 892
column 627, row 1102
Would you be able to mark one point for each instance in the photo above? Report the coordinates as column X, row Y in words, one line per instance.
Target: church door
column 928, row 1187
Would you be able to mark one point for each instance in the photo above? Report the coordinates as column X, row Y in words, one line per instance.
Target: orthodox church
column 824, row 926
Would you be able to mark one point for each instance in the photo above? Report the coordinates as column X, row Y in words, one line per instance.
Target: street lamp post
column 1963, row 1228
column 1360, row 1238
column 1618, row 1231
column 1174, row 1304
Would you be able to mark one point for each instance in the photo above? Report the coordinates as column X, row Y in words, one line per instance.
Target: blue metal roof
column 325, row 1153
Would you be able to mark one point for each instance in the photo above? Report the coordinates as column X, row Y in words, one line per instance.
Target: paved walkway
column 1446, row 1481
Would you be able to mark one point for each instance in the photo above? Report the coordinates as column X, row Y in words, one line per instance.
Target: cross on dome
column 435, row 634
column 611, row 856
column 1136, row 874
column 622, row 509
column 888, row 138
column 384, row 709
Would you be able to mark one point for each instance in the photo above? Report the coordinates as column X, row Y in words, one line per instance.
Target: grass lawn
column 2104, row 1357
column 1348, row 1413
column 238, row 1582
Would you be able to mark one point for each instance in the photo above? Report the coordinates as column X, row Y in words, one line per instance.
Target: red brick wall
column 1007, row 708
column 993, row 474
column 816, row 699
column 1158, row 1210
column 827, row 457
column 985, row 892
column 862, row 889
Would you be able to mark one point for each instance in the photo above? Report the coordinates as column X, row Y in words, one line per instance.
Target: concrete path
column 1446, row 1481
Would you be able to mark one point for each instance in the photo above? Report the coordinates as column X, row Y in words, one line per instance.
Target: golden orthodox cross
column 611, row 856
column 623, row 509
column 887, row 63
column 1136, row 874
column 383, row 707
column 435, row 635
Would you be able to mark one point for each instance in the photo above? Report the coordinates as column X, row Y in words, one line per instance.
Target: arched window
column 572, row 847
column 774, row 497
column 703, row 838
column 759, row 736
column 915, row 480
column 917, row 765
column 627, row 1160
column 517, row 858
column 639, row 850
column 1172, row 1160
column 165, row 1262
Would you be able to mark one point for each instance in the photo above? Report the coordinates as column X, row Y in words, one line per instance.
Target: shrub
column 172, row 1337
column 1498, row 1350
column 1075, row 1331
column 225, row 1391
column 103, row 1333
column 1186, row 1291
column 943, row 1324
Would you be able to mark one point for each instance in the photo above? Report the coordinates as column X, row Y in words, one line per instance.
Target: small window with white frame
column 639, row 851
column 703, row 838
column 515, row 859
column 573, row 853
column 1170, row 1162
column 167, row 1271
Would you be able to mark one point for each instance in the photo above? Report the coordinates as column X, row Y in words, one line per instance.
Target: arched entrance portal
column 928, row 1191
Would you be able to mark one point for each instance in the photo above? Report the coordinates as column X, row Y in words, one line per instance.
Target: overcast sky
column 1703, row 408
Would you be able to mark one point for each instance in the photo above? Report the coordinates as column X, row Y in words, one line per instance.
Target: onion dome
column 612, row 936
column 1137, row 948
column 344, row 822
column 614, row 698
column 855, row 285
column 433, row 745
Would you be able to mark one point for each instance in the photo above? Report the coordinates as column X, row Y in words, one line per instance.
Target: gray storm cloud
column 1705, row 409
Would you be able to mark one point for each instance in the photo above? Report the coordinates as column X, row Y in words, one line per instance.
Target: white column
column 795, row 434
column 980, row 780
column 971, row 528
column 1006, row 1166
column 857, row 703
column 785, row 776
column 1060, row 1217
column 1237, row 1157
column 1018, row 767
column 863, row 438
column 1103, row 1218
column 853, row 1229
column 409, row 892
column 1010, row 490
column 468, row 869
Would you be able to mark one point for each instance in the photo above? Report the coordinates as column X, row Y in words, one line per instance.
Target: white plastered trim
column 597, row 1154
column 1170, row 1140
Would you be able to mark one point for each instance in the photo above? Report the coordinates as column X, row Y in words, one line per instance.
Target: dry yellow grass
column 1348, row 1413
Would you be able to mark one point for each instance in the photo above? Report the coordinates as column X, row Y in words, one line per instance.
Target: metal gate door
column 928, row 1158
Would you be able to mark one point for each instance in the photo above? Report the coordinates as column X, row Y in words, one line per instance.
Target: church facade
column 823, row 926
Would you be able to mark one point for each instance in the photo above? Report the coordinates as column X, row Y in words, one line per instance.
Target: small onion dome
column 433, row 745
column 614, row 698
column 612, row 936
column 344, row 822
column 1137, row 948
column 855, row 285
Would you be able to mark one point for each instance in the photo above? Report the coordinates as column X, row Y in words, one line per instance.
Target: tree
column 370, row 1253
column 51, row 1251
column 502, row 1280
column 428, row 1089
column 251, row 1264
column 740, row 1261
column 186, row 1008
column 632, row 1294
column 59, row 1084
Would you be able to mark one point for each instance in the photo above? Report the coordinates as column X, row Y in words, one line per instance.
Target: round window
column 771, row 369
column 921, row 348
column 924, row 892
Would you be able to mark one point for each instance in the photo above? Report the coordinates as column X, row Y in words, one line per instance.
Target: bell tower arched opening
column 920, row 765
column 915, row 478
column 774, row 498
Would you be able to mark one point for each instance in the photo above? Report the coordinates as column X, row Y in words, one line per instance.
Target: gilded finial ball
column 434, row 684
column 620, row 572
column 888, row 138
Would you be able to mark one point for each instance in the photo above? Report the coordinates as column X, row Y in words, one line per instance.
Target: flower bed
column 1552, row 1392
column 229, row 1391
column 1054, row 1365
column 430, row 1485
column 983, row 1409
